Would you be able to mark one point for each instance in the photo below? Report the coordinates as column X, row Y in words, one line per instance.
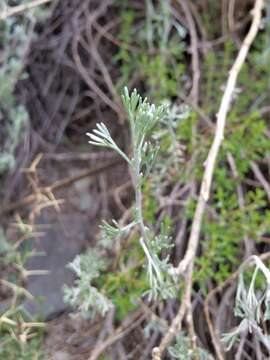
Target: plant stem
column 137, row 177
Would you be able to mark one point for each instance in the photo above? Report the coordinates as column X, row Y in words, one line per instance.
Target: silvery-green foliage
column 142, row 117
column 182, row 350
column 110, row 233
column 159, row 23
column 13, row 43
column 172, row 156
column 157, row 244
column 16, row 35
column 89, row 264
column 251, row 306
column 154, row 325
column 83, row 296
column 102, row 137
column 86, row 298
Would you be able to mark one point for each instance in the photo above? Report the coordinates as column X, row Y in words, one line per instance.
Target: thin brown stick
column 241, row 200
column 15, row 10
column 194, row 97
column 185, row 267
column 27, row 200
column 259, row 175
column 133, row 322
column 194, row 94
column 88, row 79
column 231, row 9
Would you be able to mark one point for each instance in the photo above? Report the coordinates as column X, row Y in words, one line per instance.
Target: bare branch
column 15, row 10
column 194, row 95
column 259, row 175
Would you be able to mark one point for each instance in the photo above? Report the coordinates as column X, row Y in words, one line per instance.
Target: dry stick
column 117, row 335
column 89, row 80
column 197, row 18
column 27, row 200
column 259, row 175
column 186, row 265
column 11, row 11
column 241, row 201
column 194, row 96
column 231, row 9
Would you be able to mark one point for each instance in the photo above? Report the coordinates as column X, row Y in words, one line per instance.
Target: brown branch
column 194, row 94
column 15, row 10
column 27, row 200
column 259, row 175
column 241, row 201
column 134, row 320
column 185, row 267
column 194, row 97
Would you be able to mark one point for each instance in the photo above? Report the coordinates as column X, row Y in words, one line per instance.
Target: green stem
column 138, row 203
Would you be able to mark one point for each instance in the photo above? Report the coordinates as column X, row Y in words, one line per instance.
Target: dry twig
column 259, row 175
column 15, row 10
column 194, row 95
column 27, row 200
column 249, row 246
column 134, row 320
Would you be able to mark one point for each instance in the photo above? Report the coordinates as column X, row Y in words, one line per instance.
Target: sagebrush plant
column 182, row 350
column 252, row 306
column 16, row 33
column 143, row 118
column 14, row 115
column 83, row 296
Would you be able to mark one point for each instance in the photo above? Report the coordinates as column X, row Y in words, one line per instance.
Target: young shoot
column 252, row 306
column 102, row 137
column 142, row 117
